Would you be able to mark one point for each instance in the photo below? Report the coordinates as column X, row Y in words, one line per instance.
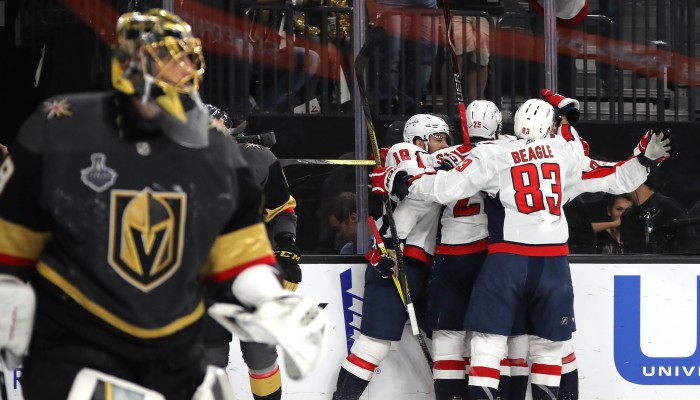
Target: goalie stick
column 456, row 71
column 361, row 61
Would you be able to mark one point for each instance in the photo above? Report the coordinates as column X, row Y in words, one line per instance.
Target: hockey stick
column 456, row 71
column 361, row 61
column 285, row 162
column 382, row 249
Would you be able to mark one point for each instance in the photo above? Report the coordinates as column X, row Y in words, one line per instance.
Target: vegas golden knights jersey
column 118, row 235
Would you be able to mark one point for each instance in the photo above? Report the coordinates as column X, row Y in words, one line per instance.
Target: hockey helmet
column 484, row 120
column 156, row 57
column 535, row 119
column 421, row 126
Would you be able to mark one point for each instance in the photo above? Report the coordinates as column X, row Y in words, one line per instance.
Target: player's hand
column 384, row 265
column 382, row 155
column 654, row 148
column 566, row 107
column 387, row 180
column 288, row 257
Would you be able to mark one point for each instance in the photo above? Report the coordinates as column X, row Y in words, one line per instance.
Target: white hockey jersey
column 527, row 182
column 463, row 224
column 416, row 220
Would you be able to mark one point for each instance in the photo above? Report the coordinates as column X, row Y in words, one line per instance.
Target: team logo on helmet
column 146, row 235
column 57, row 108
column 98, row 176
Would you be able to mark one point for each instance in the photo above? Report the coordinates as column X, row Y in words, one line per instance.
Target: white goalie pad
column 293, row 323
column 91, row 384
column 16, row 319
column 215, row 386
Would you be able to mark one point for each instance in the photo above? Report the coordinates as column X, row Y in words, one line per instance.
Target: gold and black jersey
column 117, row 235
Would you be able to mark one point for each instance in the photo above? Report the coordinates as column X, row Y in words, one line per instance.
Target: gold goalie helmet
column 156, row 57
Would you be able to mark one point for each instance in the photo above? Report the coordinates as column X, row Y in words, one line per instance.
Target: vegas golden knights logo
column 146, row 235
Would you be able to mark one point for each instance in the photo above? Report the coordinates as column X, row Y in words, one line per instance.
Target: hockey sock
column 545, row 373
column 349, row 386
column 568, row 387
column 519, row 371
column 266, row 386
column 504, row 382
column 448, row 376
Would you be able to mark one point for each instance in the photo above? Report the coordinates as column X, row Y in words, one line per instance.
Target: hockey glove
column 454, row 158
column 565, row 106
column 17, row 310
column 382, row 155
column 383, row 264
column 654, row 148
column 387, row 180
column 288, row 257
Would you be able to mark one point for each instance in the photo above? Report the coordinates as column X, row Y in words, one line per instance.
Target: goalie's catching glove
column 565, row 106
column 17, row 309
column 288, row 257
column 654, row 147
column 384, row 265
column 392, row 180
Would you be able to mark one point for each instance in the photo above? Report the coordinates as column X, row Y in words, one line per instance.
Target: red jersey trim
column 233, row 271
column 529, row 250
column 418, row 253
column 461, row 249
column 14, row 261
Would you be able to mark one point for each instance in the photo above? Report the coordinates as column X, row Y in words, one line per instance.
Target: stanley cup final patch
column 146, row 235
column 98, row 176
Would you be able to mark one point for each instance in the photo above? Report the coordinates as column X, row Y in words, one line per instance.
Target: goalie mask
column 421, row 126
column 484, row 120
column 157, row 58
column 535, row 119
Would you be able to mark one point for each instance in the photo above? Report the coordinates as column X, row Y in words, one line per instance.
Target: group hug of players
column 484, row 243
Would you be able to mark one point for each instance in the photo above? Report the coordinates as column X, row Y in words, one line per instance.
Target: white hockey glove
column 92, row 384
column 294, row 323
column 16, row 319
column 215, row 386
column 654, row 148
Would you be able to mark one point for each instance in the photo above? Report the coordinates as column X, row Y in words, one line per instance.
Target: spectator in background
column 582, row 239
column 570, row 14
column 343, row 219
column 656, row 223
column 608, row 233
column 283, row 75
column 402, row 20
column 472, row 45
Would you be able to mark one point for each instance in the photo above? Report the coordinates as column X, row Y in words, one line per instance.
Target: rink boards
column 637, row 336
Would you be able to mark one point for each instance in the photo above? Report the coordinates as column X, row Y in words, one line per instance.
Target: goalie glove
column 294, row 323
column 288, row 257
column 392, row 180
column 654, row 147
column 384, row 265
column 566, row 107
column 17, row 310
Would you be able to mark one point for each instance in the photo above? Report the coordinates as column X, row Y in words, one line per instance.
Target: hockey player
column 526, row 181
column 121, row 208
column 383, row 313
column 281, row 221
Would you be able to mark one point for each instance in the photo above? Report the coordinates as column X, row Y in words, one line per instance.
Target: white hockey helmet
column 484, row 119
column 535, row 119
column 421, row 126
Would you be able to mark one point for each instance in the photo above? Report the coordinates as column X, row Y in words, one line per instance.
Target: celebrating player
column 527, row 181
